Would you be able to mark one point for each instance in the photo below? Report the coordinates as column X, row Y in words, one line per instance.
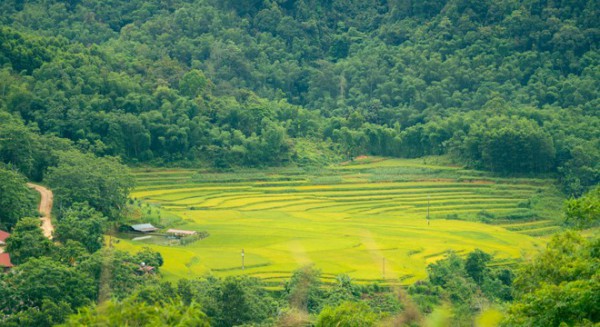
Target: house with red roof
column 3, row 236
column 5, row 263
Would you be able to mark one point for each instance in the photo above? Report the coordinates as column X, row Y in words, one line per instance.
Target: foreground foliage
column 132, row 313
column 347, row 314
column 560, row 285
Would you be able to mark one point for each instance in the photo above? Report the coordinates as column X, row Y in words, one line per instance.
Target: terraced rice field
column 366, row 219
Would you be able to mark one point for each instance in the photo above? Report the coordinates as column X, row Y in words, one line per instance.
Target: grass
column 344, row 219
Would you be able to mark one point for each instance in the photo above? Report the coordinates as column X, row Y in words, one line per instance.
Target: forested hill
column 509, row 86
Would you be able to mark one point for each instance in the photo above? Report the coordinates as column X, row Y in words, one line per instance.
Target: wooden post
column 428, row 209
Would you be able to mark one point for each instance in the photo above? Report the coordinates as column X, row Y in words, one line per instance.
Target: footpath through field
column 45, row 208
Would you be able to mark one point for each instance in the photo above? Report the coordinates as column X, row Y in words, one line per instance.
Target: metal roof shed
column 180, row 232
column 144, row 228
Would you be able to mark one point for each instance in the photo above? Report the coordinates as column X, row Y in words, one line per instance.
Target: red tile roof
column 5, row 260
column 3, row 236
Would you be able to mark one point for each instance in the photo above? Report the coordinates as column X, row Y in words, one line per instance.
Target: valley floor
column 367, row 218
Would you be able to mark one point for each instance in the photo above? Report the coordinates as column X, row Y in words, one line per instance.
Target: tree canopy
column 16, row 200
column 585, row 211
column 27, row 241
column 82, row 224
column 89, row 86
column 559, row 285
column 506, row 86
column 103, row 183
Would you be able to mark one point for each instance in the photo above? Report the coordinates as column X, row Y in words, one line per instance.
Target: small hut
column 144, row 228
column 145, row 269
column 181, row 233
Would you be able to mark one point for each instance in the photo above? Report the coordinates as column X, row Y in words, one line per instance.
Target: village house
column 5, row 264
column 144, row 228
column 181, row 233
column 3, row 236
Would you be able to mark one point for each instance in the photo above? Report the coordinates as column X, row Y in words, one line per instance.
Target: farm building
column 181, row 233
column 5, row 263
column 3, row 236
column 145, row 269
column 144, row 228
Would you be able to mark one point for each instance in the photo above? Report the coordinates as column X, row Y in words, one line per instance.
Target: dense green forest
column 508, row 86
column 88, row 87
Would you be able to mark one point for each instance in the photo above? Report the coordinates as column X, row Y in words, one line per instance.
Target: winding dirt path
column 45, row 208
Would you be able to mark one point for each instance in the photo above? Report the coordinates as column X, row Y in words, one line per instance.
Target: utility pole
column 428, row 198
column 243, row 259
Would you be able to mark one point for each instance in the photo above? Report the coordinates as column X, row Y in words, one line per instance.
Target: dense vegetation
column 16, row 201
column 543, row 290
column 509, row 86
column 506, row 86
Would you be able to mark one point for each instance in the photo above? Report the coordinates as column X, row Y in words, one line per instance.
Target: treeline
column 400, row 75
column 508, row 86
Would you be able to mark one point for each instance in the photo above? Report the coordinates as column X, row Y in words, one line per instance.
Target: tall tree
column 28, row 241
column 476, row 265
column 16, row 200
column 40, row 280
column 18, row 144
column 82, row 224
column 585, row 211
column 103, row 183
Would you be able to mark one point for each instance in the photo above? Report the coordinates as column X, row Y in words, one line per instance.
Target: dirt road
column 45, row 208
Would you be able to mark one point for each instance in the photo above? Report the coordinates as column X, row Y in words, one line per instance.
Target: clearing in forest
column 365, row 218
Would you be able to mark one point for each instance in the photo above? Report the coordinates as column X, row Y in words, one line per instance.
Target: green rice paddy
column 366, row 219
